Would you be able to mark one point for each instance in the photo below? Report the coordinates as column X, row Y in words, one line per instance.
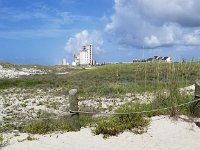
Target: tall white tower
column 86, row 55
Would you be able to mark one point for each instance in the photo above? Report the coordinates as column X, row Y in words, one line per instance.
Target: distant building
column 84, row 56
column 139, row 60
column 167, row 59
column 77, row 59
column 74, row 64
column 155, row 59
column 159, row 59
column 64, row 61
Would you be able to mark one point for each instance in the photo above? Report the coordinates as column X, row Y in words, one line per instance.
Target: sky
column 45, row 31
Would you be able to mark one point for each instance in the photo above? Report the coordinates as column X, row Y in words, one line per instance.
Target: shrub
column 3, row 141
column 6, row 127
column 113, row 125
column 46, row 126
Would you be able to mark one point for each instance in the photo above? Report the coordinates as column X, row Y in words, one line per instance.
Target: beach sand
column 164, row 133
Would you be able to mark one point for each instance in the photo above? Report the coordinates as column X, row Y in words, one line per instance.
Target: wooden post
column 196, row 105
column 73, row 102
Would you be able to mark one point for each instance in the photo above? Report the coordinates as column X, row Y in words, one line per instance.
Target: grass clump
column 114, row 125
column 45, row 126
column 171, row 103
column 6, row 127
column 87, row 120
column 29, row 138
column 3, row 141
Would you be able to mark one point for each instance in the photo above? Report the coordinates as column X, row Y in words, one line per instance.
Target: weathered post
column 73, row 102
column 196, row 105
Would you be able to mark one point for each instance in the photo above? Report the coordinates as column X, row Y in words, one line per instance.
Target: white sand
column 163, row 134
column 14, row 73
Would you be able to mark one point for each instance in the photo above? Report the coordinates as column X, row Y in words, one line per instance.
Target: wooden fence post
column 196, row 105
column 73, row 102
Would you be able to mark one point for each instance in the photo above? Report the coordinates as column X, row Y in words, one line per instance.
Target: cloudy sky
column 45, row 31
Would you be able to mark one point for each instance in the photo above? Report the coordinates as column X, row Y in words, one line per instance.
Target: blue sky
column 45, row 31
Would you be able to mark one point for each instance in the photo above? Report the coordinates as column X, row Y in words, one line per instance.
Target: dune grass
column 111, row 80
column 116, row 80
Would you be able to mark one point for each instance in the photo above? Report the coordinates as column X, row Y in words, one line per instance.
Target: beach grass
column 162, row 79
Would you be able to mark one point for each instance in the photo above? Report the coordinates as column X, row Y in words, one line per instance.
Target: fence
column 74, row 110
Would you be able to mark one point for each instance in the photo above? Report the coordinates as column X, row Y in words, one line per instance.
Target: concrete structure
column 84, row 56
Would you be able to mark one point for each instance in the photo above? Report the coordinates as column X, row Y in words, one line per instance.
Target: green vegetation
column 113, row 80
column 29, row 138
column 113, row 125
column 6, row 127
column 45, row 126
column 162, row 79
column 3, row 141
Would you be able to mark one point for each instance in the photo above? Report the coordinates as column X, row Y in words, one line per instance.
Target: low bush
column 7, row 127
column 45, row 126
column 113, row 125
column 3, row 141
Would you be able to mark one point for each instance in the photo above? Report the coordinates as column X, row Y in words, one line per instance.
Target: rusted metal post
column 196, row 106
column 73, row 102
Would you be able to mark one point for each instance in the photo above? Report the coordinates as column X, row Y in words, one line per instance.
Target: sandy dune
column 163, row 134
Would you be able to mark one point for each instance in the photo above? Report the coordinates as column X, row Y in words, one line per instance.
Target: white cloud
column 23, row 34
column 155, row 23
column 192, row 38
column 152, row 41
column 183, row 12
column 40, row 15
column 83, row 38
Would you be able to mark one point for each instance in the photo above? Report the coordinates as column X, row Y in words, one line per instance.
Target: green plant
column 3, row 141
column 30, row 138
column 6, row 127
column 113, row 125
column 46, row 126
column 87, row 120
